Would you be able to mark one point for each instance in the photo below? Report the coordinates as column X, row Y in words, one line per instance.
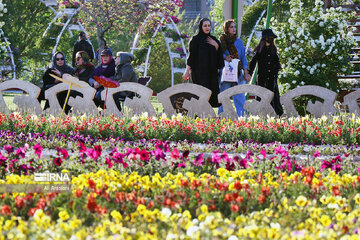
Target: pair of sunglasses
column 78, row 58
column 59, row 59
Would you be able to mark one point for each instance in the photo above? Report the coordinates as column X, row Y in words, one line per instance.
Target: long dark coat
column 205, row 61
column 268, row 69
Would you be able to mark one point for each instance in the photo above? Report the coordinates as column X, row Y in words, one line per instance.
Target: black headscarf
column 64, row 68
column 201, row 35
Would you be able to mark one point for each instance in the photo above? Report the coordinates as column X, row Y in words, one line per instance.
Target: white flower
column 312, row 18
column 232, row 237
column 293, row 82
column 166, row 212
column 191, row 231
column 323, row 65
column 296, row 73
column 327, row 84
column 302, row 83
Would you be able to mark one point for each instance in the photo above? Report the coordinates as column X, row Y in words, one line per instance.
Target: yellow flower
column 141, row 209
column 63, row 215
column 301, row 201
column 204, row 209
column 325, row 220
column 221, row 172
column 116, row 215
column 357, row 198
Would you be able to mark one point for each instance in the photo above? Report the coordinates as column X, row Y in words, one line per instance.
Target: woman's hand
column 247, row 76
column 186, row 76
column 96, row 85
column 58, row 73
column 187, row 73
column 211, row 41
column 228, row 58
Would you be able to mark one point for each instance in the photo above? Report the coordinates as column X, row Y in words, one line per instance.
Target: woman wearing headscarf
column 233, row 50
column 57, row 67
column 84, row 69
column 125, row 72
column 204, row 61
column 268, row 67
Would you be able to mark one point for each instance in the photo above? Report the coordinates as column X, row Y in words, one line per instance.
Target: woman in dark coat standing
column 57, row 67
column 268, row 67
column 204, row 61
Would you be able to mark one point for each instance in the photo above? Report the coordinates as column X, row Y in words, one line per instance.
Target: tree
column 103, row 15
column 2, row 44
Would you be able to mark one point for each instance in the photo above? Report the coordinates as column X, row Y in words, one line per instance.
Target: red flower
column 19, row 202
column 32, row 212
column 5, row 210
column 92, row 184
column 82, row 147
column 175, row 154
column 144, row 155
column 237, row 185
column 78, row 193
column 335, row 190
column 91, row 203
column 234, row 208
column 58, row 161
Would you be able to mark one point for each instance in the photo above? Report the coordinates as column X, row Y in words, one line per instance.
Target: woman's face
column 105, row 59
column 79, row 60
column 232, row 29
column 59, row 58
column 206, row 27
column 117, row 60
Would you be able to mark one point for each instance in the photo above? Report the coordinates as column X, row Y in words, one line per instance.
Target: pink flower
column 199, row 161
column 175, row 154
column 38, row 150
column 9, row 149
column 82, row 147
column 92, row 154
column 63, row 152
column 316, row 154
column 243, row 163
column 98, row 150
column 263, row 152
column 20, row 152
column 359, row 169
column 109, row 163
column 159, row 154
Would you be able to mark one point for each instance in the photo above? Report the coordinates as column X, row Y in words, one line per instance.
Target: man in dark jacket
column 82, row 45
column 124, row 73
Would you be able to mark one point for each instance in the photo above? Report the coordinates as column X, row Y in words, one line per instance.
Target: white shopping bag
column 230, row 71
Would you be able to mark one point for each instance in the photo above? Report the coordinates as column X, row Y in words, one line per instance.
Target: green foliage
column 313, row 46
column 217, row 17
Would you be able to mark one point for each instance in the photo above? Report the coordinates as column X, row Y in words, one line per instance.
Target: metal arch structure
column 11, row 67
column 59, row 13
column 168, row 41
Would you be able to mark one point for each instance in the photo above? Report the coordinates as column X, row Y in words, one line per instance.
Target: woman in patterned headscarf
column 57, row 67
column 233, row 50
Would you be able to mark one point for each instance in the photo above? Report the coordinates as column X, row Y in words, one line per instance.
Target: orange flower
column 335, row 191
column 262, row 198
column 78, row 193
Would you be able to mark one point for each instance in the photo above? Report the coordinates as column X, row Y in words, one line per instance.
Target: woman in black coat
column 57, row 67
column 204, row 61
column 268, row 67
column 84, row 69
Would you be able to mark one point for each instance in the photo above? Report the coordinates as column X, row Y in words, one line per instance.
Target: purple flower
column 199, row 160
column 243, row 163
column 159, row 154
column 20, row 152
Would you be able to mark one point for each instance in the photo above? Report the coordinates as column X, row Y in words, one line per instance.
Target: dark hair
column 227, row 24
column 262, row 43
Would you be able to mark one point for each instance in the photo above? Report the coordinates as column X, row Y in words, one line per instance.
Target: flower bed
column 243, row 204
column 134, row 178
column 343, row 129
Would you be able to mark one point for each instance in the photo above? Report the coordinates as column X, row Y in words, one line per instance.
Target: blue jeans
column 239, row 99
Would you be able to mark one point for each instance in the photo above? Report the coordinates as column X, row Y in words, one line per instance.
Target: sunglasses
column 59, row 59
column 78, row 58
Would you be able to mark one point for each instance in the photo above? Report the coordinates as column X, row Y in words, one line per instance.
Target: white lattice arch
column 59, row 13
column 168, row 41
column 11, row 67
